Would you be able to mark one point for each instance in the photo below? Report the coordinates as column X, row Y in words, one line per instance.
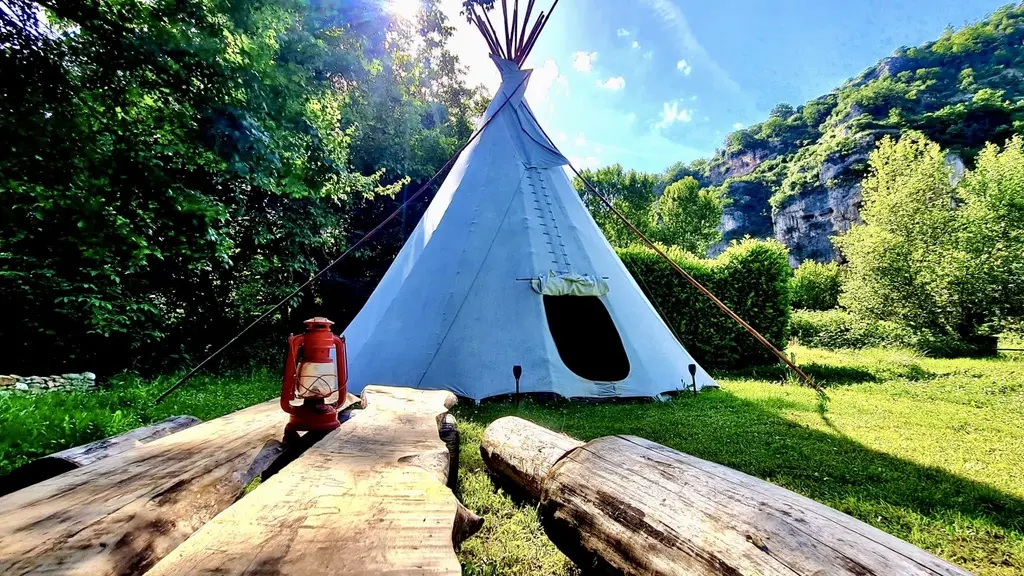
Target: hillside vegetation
column 796, row 176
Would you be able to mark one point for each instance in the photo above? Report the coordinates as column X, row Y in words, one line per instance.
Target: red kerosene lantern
column 314, row 383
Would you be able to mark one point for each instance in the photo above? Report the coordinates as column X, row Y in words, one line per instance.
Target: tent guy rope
column 686, row 275
column 513, row 51
column 366, row 237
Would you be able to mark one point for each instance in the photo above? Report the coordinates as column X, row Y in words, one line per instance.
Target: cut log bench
column 625, row 505
column 72, row 458
column 122, row 514
column 369, row 497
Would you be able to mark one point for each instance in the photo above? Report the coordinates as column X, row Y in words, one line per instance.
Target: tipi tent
column 507, row 268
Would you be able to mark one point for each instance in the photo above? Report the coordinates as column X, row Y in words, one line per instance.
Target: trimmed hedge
column 752, row 277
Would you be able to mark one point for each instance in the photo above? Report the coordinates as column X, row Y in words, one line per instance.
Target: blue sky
column 650, row 82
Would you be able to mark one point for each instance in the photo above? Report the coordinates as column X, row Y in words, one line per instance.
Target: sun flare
column 405, row 9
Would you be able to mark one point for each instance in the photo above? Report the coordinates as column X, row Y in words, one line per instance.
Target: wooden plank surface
column 120, row 515
column 521, row 452
column 369, row 498
column 78, row 456
column 626, row 505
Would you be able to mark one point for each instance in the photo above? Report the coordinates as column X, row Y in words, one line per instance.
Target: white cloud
column 598, row 150
column 584, row 162
column 630, row 118
column 582, row 61
column 684, row 67
column 615, row 83
column 673, row 21
column 636, row 44
column 693, row 98
column 542, row 79
column 581, row 139
column 672, row 112
column 560, row 137
column 737, row 126
column 622, row 32
column 649, row 54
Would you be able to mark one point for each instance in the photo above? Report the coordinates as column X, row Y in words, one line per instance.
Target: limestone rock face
column 806, row 223
column 747, row 214
column 740, row 164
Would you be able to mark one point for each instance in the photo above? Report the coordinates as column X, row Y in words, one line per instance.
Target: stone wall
column 36, row 384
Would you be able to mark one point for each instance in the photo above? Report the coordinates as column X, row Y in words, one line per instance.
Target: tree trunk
column 625, row 505
column 370, row 498
column 72, row 458
column 521, row 453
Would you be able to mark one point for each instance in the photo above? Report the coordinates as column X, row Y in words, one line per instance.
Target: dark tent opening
column 586, row 337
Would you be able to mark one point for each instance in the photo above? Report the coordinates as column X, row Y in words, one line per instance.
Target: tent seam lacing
column 721, row 305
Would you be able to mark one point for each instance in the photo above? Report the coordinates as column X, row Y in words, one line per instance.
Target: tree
column 937, row 257
column 992, row 197
column 782, row 110
column 176, row 165
column 698, row 169
column 630, row 192
column 688, row 216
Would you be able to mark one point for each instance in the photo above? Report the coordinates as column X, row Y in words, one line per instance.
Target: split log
column 72, row 458
column 120, row 515
column 370, row 498
column 521, row 453
column 625, row 505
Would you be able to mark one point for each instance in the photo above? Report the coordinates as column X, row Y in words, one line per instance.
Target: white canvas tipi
column 507, row 268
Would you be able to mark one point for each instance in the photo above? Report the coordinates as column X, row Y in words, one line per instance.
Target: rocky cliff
column 797, row 176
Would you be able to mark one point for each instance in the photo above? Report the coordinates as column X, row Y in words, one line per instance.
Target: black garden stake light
column 517, row 372
column 693, row 376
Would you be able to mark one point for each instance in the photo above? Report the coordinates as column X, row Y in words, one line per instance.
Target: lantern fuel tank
column 315, row 378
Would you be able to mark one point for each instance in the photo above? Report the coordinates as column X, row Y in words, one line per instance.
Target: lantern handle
column 288, row 383
column 341, row 363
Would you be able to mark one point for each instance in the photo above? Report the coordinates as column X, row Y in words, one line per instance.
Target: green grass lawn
column 36, row 425
column 929, row 450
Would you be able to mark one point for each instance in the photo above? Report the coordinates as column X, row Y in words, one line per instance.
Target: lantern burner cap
column 318, row 323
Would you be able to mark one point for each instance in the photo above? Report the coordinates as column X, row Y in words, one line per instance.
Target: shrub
column 838, row 329
column 816, row 286
column 752, row 277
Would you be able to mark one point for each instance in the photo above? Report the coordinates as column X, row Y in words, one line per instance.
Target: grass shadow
column 823, row 374
column 965, row 521
column 832, row 375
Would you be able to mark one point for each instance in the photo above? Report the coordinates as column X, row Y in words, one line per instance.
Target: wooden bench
column 67, row 460
column 369, row 498
column 119, row 515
